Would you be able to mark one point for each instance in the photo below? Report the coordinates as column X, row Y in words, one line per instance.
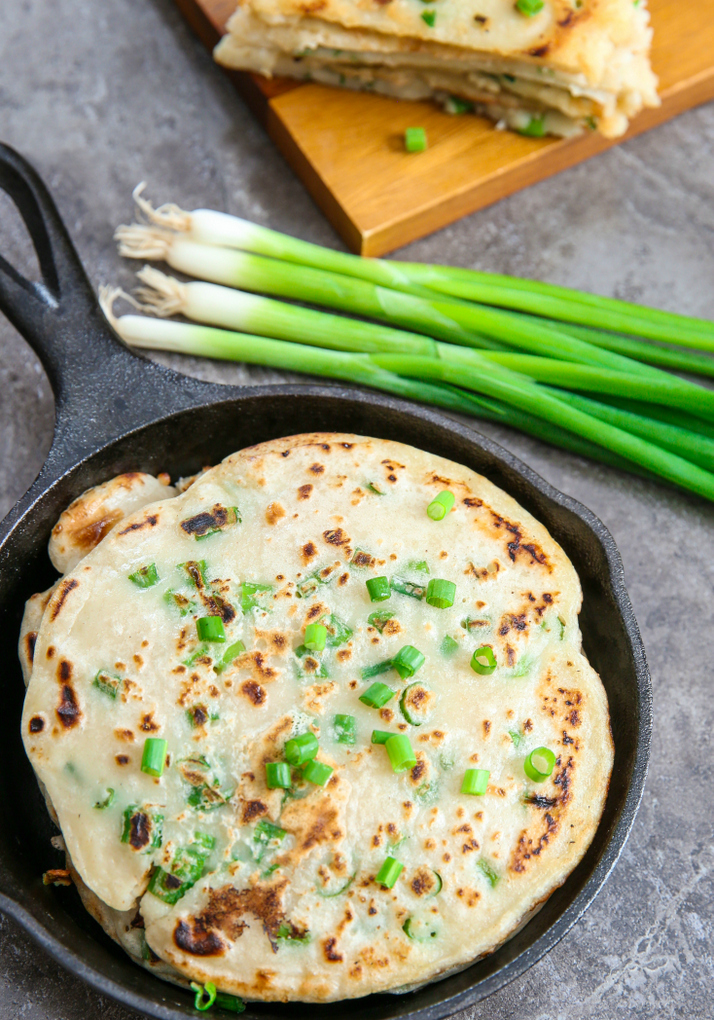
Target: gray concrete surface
column 100, row 96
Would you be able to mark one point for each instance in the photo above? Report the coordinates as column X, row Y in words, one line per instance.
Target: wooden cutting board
column 347, row 147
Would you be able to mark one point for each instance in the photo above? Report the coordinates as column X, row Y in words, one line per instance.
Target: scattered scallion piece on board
column 415, row 137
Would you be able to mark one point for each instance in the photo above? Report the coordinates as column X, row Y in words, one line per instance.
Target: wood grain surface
column 347, row 146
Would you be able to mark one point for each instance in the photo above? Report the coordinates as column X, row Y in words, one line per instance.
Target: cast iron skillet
column 116, row 412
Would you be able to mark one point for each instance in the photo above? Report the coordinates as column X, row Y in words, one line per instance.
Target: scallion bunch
column 583, row 372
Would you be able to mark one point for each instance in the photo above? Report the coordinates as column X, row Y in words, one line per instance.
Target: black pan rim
column 619, row 834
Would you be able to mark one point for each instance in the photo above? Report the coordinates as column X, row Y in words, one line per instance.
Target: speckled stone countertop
column 100, row 96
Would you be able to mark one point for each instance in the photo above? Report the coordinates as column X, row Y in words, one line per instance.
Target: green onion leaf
column 487, row 871
column 389, row 872
column 408, row 660
column 483, row 660
column 539, row 764
column 145, row 577
column 254, row 596
column 231, row 1003
column 315, row 637
column 448, row 646
column 300, row 749
column 429, row 18
column 317, row 772
column 205, row 995
column 101, row 805
column 404, row 587
column 376, row 669
column 277, row 775
column 377, row 695
column 381, row 736
column 378, row 589
column 530, row 7
column 266, row 836
column 475, row 782
column 231, row 653
column 345, row 729
column 107, row 683
column 440, row 593
column 401, row 753
column 441, row 505
column 338, row 633
column 373, row 487
column 210, row 628
column 153, row 759
column 379, row 620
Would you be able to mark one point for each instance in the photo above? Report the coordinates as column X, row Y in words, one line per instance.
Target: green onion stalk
column 549, row 300
column 392, row 372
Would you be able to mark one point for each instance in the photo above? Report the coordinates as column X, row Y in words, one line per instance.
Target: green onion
column 266, row 836
column 415, row 137
column 535, row 128
column 530, row 7
column 210, row 628
column 338, row 633
column 408, row 660
column 317, row 772
column 440, row 593
column 107, row 683
column 315, row 637
column 277, row 775
column 379, row 620
column 300, row 749
column 338, row 892
column 205, row 995
column 376, row 669
column 201, row 652
column 153, row 759
column 195, row 572
column 377, row 695
column 410, row 588
column 345, row 729
column 441, row 505
column 142, row 820
column 145, row 577
column 401, row 753
column 415, row 703
column 418, row 930
column 378, row 588
column 254, row 596
column 186, row 868
column 483, row 660
column 539, row 764
column 488, row 872
column 231, row 653
column 231, row 1003
column 102, row 805
column 389, row 873
column 475, row 781
column 381, row 736
column 448, row 646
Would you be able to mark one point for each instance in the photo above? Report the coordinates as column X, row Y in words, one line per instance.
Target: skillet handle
column 101, row 388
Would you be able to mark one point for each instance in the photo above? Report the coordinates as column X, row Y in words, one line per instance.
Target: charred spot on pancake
column 516, row 545
column 254, row 692
column 540, row 51
column 199, row 715
column 121, row 759
column 309, row 552
column 274, row 512
column 343, row 579
column 51, row 652
column 423, row 882
column 30, row 642
column 418, row 771
column 126, row 735
column 331, row 955
column 68, row 711
column 198, row 940
column 304, row 491
column 227, row 907
column 209, row 520
column 473, row 501
column 363, row 559
column 512, row 621
column 37, row 724
column 65, row 587
column 147, row 723
column 336, row 536
column 539, row 800
column 481, row 20
column 149, row 522
column 317, row 469
column 253, row 809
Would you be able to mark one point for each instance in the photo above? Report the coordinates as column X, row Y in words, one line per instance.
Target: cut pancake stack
column 570, row 66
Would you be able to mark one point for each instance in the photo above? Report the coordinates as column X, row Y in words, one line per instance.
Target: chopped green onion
column 277, row 775
column 440, row 593
column 338, row 633
column 488, row 872
column 317, row 772
column 338, row 892
column 231, row 653
column 418, row 930
column 153, row 759
column 376, row 669
column 448, row 645
column 210, row 628
column 180, row 602
column 415, row 137
column 475, row 781
column 345, row 729
column 408, row 660
column 535, row 128
column 404, row 587
column 145, row 577
column 300, row 749
column 389, row 872
column 101, row 805
column 441, row 505
column 315, row 637
column 186, row 868
column 379, row 589
column 205, row 995
column 231, row 1003
column 381, row 736
column 429, row 18
column 254, row 596
column 377, row 695
column 379, row 620
column 421, row 565
column 539, row 764
column 401, row 753
column 415, row 703
column 483, row 660
column 107, row 683
column 196, row 572
column 266, row 836
column 516, row 737
column 141, row 822
column 375, row 489
column 530, row 7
